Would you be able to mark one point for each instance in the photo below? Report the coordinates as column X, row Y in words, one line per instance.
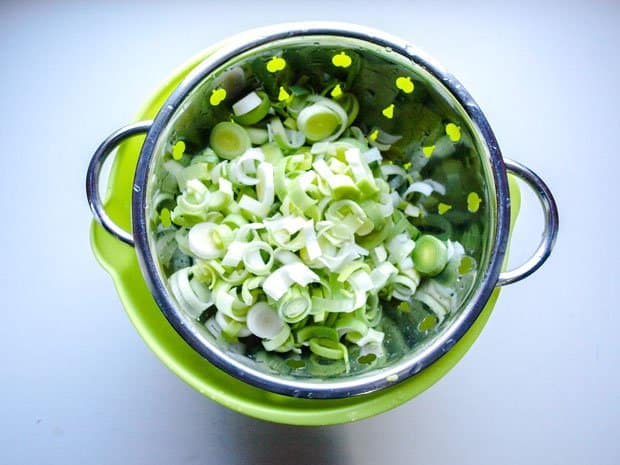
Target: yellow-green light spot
column 178, row 149
column 276, row 64
column 473, row 202
column 164, row 217
column 388, row 111
column 453, row 132
column 342, row 60
column 336, row 91
column 407, row 165
column 443, row 208
column 428, row 150
column 283, row 95
column 404, row 83
column 373, row 135
column 217, row 96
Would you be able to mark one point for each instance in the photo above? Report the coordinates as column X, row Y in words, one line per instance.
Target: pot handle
column 550, row 211
column 94, row 171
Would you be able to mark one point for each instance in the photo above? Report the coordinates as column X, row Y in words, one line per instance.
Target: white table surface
column 78, row 385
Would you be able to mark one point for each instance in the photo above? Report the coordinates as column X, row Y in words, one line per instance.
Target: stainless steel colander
column 401, row 91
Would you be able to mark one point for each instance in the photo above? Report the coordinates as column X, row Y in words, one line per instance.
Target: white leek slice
column 393, row 170
column 406, row 263
column 176, row 169
column 405, row 285
column 372, row 336
column 439, row 298
column 296, row 138
column 345, row 255
column 337, row 167
column 207, row 240
column 247, row 296
column 381, row 139
column 395, row 197
column 279, row 341
column 313, row 248
column 335, row 233
column 325, row 120
column 173, row 167
column 286, row 257
column 253, row 260
column 422, row 187
column 264, row 190
column 381, row 275
column 360, row 283
column 454, row 249
column 224, row 301
column 244, row 230
column 246, row 104
column 231, row 327
column 166, row 245
column 278, row 282
column 361, row 172
column 343, row 212
column 219, row 171
column 320, row 166
column 339, row 305
column 263, row 321
column 352, row 267
column 400, row 247
column 234, row 253
column 225, row 187
column 195, row 198
column 287, row 139
column 193, row 303
column 340, row 184
column 380, row 254
column 290, row 223
column 295, row 305
column 437, row 187
column 372, row 155
column 306, row 180
column 241, row 168
column 320, row 148
column 412, row 210
column 181, row 238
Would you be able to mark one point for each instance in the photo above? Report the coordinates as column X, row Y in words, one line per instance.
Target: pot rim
column 301, row 387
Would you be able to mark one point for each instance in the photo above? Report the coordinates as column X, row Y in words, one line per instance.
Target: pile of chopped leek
column 290, row 227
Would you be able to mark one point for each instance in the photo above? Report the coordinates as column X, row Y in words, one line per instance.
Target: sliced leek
column 294, row 227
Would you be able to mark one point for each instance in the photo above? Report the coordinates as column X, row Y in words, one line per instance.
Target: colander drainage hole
column 427, row 323
column 367, row 359
column 295, row 363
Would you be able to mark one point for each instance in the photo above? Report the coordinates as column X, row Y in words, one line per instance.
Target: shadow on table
column 260, row 442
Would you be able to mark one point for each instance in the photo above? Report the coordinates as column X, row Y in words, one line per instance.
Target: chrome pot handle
column 94, row 171
column 550, row 211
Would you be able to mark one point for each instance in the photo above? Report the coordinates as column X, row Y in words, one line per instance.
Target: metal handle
column 550, row 211
column 94, row 170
